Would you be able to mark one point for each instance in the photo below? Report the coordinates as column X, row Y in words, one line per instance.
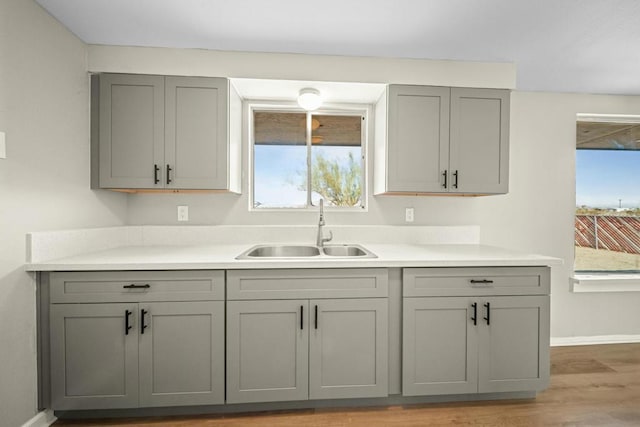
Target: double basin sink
column 306, row 251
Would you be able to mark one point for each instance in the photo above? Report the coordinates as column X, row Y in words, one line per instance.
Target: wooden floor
column 590, row 386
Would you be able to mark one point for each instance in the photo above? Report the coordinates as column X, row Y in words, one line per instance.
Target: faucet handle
column 328, row 239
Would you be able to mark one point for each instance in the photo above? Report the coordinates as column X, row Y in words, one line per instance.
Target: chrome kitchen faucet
column 321, row 240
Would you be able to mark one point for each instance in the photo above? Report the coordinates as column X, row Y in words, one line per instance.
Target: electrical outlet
column 183, row 213
column 408, row 215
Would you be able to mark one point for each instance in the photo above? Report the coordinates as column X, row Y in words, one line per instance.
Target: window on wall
column 302, row 157
column 607, row 220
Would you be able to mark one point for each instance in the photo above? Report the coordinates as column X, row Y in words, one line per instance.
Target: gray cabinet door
column 182, row 353
column 439, row 351
column 348, row 348
column 131, row 130
column 94, row 360
column 514, row 345
column 267, row 350
column 479, row 152
column 418, row 138
column 196, row 133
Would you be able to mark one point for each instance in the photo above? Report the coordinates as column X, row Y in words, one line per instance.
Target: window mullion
column 309, row 130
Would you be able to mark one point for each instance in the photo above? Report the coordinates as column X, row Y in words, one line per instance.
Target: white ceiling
column 590, row 46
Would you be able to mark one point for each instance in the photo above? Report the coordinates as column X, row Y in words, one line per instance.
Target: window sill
column 605, row 283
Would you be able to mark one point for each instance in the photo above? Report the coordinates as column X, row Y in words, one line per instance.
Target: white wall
column 44, row 181
column 537, row 214
column 232, row 209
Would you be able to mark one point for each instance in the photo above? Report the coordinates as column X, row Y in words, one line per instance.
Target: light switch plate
column 3, row 146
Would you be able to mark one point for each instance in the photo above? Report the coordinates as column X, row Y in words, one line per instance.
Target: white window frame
column 604, row 281
column 364, row 110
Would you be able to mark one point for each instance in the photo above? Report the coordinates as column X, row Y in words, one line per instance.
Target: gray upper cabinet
column 442, row 140
column 419, row 131
column 172, row 133
column 479, row 141
column 131, row 129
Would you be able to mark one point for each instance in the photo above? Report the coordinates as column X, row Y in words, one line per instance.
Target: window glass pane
column 336, row 160
column 280, row 159
column 607, row 223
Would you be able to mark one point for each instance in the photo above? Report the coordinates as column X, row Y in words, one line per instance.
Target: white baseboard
column 593, row 340
column 41, row 419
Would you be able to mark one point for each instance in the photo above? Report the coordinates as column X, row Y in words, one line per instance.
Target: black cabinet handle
column 315, row 316
column 133, row 286
column 444, row 174
column 455, row 181
column 142, row 325
column 475, row 313
column 302, row 317
column 488, row 318
column 156, row 178
column 127, row 326
column 483, row 281
column 169, row 174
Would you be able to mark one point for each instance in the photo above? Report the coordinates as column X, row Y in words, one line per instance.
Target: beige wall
column 44, row 181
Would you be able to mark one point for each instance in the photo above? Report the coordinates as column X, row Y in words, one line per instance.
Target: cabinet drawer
column 475, row 281
column 308, row 283
column 123, row 286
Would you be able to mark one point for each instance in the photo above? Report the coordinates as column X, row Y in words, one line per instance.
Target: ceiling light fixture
column 309, row 99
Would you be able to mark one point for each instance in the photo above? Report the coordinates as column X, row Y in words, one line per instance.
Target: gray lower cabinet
column 136, row 339
column 306, row 349
column 137, row 355
column 94, row 361
column 267, row 350
column 287, row 340
column 348, row 348
column 475, row 330
column 465, row 345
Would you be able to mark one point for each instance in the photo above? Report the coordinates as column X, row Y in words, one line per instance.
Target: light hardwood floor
column 590, row 386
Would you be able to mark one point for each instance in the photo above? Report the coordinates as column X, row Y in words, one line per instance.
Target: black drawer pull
column 301, row 317
column 169, row 174
column 156, row 178
column 142, row 325
column 316, row 318
column 127, row 326
column 483, row 281
column 132, row 286
column 488, row 318
column 475, row 313
column 455, row 182
column 444, row 174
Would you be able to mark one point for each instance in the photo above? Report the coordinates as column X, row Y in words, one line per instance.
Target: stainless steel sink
column 347, row 251
column 305, row 251
column 280, row 251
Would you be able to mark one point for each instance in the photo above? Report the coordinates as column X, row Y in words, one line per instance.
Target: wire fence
column 613, row 233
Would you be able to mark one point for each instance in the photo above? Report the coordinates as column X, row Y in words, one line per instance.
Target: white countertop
column 222, row 256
